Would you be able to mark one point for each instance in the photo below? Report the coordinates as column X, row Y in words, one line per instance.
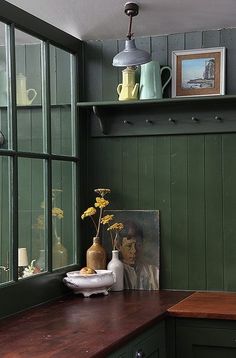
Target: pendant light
column 131, row 55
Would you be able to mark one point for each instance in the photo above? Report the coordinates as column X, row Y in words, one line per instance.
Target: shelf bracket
column 100, row 120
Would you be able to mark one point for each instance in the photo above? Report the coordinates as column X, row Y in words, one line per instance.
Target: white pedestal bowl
column 91, row 284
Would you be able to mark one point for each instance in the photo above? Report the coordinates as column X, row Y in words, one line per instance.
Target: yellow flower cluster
column 57, row 212
column 89, row 212
column 101, row 203
column 116, row 226
column 106, row 219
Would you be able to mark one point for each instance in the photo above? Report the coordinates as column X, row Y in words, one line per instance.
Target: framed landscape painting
column 198, row 72
column 138, row 244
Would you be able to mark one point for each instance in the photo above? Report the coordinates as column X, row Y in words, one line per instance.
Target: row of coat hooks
column 173, row 121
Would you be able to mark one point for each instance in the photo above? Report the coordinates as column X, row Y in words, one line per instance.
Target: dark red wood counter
column 84, row 327
column 213, row 305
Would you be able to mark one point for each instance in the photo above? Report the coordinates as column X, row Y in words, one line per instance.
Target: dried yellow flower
column 102, row 191
column 116, row 226
column 106, row 219
column 89, row 212
column 57, row 212
column 101, row 203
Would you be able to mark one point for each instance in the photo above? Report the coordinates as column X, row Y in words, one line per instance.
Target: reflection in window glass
column 60, row 93
column 63, row 219
column 5, row 215
column 32, row 223
column 29, row 92
column 4, row 88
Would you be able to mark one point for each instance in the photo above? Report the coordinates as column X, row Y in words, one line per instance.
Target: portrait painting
column 138, row 243
column 199, row 72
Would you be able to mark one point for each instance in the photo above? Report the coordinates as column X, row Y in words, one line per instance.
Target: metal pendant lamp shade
column 131, row 56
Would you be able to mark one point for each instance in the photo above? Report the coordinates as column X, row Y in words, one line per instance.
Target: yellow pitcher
column 128, row 89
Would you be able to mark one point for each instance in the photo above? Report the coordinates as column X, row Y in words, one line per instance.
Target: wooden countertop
column 84, row 327
column 214, row 305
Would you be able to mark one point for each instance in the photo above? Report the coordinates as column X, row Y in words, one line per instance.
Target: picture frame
column 198, row 72
column 138, row 244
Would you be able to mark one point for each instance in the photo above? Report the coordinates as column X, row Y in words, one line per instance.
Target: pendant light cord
column 130, row 34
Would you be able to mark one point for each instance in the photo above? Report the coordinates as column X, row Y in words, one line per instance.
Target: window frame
column 28, row 292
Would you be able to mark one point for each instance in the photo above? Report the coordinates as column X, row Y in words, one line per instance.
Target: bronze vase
column 96, row 255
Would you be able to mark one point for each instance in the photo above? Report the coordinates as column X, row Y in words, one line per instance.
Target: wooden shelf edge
column 157, row 101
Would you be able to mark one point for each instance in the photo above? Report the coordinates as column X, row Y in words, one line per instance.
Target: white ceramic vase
column 117, row 267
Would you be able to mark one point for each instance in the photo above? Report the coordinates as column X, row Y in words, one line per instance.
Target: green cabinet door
column 205, row 338
column 150, row 344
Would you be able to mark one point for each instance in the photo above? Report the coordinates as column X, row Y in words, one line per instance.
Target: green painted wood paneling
column 145, row 174
column 183, row 177
column 228, row 39
column 109, row 74
column 178, row 182
column 196, row 213
column 189, row 178
column 130, row 169
column 162, row 194
column 98, row 58
column 193, row 40
column 93, row 70
column 211, row 38
column 214, row 212
column 159, row 49
column 229, row 209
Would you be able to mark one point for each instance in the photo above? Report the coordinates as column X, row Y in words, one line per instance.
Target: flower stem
column 96, row 228
column 99, row 222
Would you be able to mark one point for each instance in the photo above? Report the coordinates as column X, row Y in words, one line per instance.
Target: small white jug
column 22, row 94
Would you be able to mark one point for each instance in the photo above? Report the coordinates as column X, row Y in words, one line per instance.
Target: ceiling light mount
column 131, row 55
column 131, row 10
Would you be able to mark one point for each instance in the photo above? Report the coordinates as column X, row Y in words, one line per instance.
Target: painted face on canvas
column 128, row 250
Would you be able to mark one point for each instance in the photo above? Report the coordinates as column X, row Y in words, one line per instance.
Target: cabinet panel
column 206, row 340
column 149, row 344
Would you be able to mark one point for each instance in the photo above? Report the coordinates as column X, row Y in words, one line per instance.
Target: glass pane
column 5, row 224
column 32, row 223
column 61, row 97
column 63, row 214
column 4, row 88
column 29, row 92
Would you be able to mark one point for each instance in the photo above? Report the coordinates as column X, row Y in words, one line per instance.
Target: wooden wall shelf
column 183, row 115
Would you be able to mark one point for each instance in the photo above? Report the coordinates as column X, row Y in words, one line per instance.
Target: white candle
column 22, row 257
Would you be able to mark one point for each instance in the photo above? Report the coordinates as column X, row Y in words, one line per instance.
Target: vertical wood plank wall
column 190, row 178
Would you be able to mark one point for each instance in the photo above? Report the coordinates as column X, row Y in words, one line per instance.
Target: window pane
column 31, row 205
column 5, row 224
column 29, row 92
column 4, row 88
column 60, row 92
column 63, row 214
